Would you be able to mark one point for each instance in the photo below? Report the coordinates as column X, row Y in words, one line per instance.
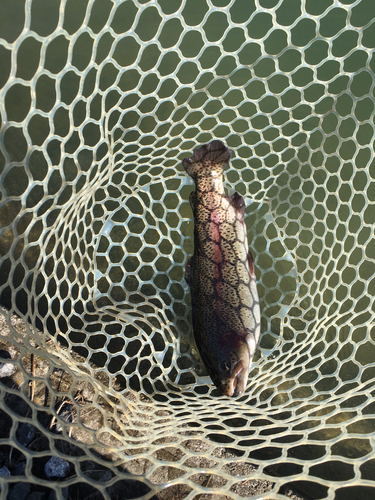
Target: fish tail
column 207, row 160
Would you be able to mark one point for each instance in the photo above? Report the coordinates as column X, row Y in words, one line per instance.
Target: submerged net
column 100, row 101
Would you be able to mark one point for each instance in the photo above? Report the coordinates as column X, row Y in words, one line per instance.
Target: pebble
column 5, row 354
column 19, row 491
column 25, row 433
column 6, row 369
column 56, row 467
column 4, row 471
column 19, row 469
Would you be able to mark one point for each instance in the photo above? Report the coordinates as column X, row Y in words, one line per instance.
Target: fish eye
column 224, row 366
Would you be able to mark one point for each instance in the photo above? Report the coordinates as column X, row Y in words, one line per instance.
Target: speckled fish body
column 225, row 304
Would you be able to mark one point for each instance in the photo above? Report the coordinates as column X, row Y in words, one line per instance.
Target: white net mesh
column 99, row 103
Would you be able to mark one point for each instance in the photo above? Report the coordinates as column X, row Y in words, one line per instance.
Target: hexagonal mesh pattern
column 100, row 101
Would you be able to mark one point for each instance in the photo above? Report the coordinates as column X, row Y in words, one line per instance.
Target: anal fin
column 251, row 264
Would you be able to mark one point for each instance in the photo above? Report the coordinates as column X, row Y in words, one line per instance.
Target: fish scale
column 225, row 303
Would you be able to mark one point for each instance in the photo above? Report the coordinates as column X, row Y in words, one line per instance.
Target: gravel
column 56, row 467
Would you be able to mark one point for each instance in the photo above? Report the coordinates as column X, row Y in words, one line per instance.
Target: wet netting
column 103, row 393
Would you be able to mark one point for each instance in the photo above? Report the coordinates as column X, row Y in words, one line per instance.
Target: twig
column 62, row 374
column 205, row 485
column 65, row 401
column 32, row 382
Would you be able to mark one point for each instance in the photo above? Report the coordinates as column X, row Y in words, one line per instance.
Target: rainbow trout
column 225, row 304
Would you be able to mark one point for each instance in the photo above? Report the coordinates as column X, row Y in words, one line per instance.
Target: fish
column 221, row 274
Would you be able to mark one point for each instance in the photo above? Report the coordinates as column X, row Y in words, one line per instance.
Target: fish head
column 231, row 370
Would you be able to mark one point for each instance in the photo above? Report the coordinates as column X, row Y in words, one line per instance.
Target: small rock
column 25, row 433
column 19, row 491
column 19, row 469
column 56, row 467
column 6, row 370
column 4, row 471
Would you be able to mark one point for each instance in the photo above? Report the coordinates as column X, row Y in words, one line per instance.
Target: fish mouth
column 236, row 385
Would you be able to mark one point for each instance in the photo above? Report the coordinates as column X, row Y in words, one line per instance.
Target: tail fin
column 209, row 158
